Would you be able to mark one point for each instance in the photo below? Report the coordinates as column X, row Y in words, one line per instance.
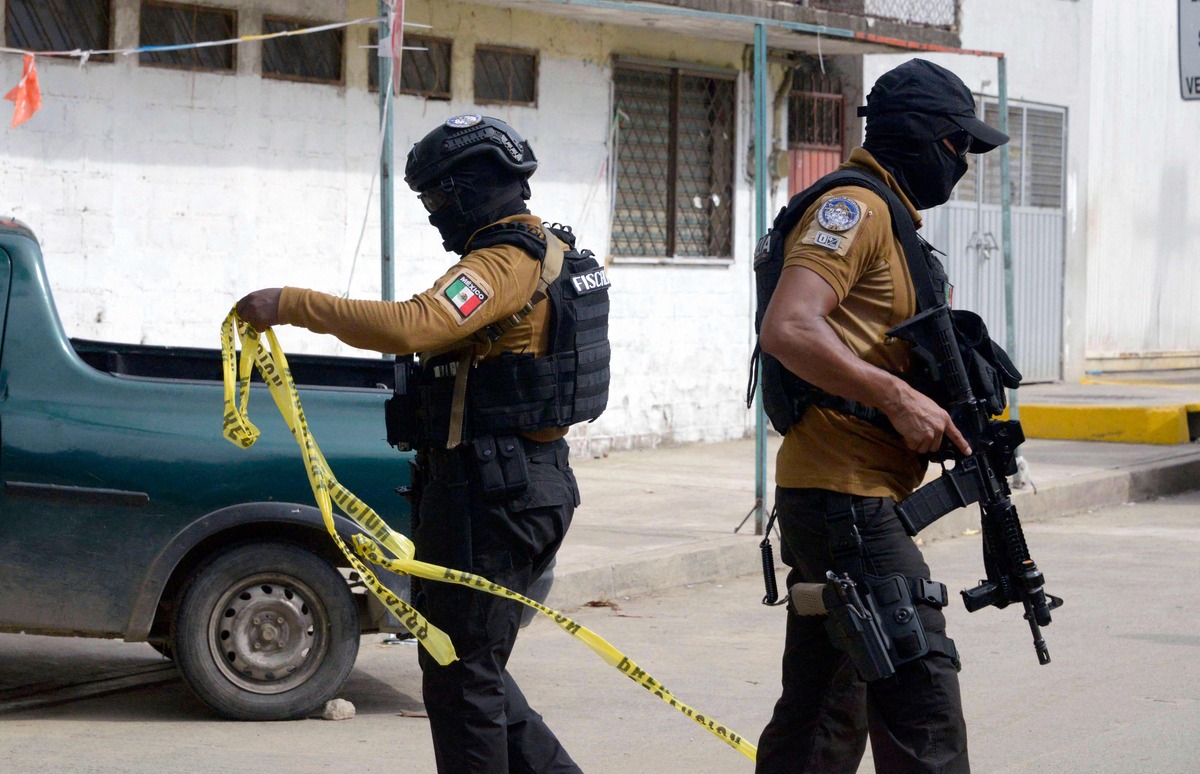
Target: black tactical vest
column 785, row 395
column 518, row 392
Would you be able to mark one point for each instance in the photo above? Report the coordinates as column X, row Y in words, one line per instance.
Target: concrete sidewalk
column 666, row 517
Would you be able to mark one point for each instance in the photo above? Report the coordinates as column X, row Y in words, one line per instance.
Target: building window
column 816, row 128
column 674, row 170
column 315, row 57
column 425, row 73
column 505, row 76
column 1045, row 133
column 1036, row 159
column 60, row 25
column 169, row 24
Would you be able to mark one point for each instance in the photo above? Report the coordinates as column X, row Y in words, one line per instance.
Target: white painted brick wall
column 160, row 197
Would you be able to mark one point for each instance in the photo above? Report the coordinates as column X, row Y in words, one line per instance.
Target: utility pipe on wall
column 1010, row 340
column 760, row 228
column 387, row 216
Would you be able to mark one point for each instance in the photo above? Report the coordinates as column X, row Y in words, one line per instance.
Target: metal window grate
column 166, row 24
column 1045, row 132
column 816, row 118
column 930, row 13
column 505, row 76
column 643, row 162
column 703, row 208
column 59, row 25
column 816, row 128
column 1036, row 159
column 675, row 157
column 425, row 73
column 314, row 57
column 1016, row 153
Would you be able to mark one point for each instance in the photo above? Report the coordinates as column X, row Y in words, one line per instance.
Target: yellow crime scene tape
column 273, row 366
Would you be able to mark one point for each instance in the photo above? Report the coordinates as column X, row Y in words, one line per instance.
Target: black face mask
column 926, row 171
column 472, row 197
column 925, row 168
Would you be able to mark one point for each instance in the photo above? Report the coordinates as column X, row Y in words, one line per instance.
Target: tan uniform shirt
column 866, row 268
column 486, row 286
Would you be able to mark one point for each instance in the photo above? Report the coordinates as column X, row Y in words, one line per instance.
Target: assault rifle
column 1011, row 575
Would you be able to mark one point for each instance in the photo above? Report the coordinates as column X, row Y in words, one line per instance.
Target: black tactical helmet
column 465, row 137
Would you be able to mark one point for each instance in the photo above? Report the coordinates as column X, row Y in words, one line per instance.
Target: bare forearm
column 796, row 331
column 811, row 349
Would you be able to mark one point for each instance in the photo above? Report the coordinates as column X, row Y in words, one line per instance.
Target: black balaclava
column 909, row 145
column 910, row 110
column 481, row 192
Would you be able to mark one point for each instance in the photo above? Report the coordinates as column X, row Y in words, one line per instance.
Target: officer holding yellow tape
column 379, row 544
column 513, row 349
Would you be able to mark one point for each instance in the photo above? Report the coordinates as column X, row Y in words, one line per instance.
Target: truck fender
column 141, row 616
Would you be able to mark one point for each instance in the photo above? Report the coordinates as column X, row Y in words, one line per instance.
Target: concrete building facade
column 161, row 195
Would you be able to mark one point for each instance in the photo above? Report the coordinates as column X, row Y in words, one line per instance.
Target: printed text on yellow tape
column 272, row 365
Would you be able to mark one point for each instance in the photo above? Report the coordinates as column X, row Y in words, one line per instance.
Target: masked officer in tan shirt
column 513, row 348
column 845, row 282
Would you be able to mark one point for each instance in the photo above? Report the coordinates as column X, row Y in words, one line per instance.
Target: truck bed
column 197, row 364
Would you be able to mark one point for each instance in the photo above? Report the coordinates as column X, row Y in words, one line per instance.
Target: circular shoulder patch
column 464, row 121
column 840, row 213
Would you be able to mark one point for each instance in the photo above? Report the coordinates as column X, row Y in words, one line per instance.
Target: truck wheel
column 268, row 631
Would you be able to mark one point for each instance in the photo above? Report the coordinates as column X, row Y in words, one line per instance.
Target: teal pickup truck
column 125, row 514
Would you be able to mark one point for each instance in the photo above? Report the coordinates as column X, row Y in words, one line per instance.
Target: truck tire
column 267, row 631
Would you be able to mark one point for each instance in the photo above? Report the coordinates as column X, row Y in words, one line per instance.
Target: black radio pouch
column 500, row 466
column 400, row 410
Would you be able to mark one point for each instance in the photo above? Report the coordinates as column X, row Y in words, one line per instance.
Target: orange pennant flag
column 27, row 94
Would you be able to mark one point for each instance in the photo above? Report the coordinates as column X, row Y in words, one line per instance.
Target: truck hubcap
column 267, row 634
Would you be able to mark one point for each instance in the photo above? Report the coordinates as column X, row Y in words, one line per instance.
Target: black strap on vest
column 522, row 235
column 917, row 256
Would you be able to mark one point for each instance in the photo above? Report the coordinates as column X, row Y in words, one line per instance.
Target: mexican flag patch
column 464, row 295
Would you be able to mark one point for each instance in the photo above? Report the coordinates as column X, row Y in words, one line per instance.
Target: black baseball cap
column 922, row 87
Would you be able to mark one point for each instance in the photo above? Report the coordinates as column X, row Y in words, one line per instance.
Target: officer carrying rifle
column 869, row 375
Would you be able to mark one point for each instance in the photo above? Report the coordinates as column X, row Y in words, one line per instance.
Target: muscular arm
column 796, row 331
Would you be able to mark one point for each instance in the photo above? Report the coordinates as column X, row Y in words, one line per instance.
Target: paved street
column 1122, row 695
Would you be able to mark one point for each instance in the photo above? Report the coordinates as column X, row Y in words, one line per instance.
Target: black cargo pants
column 479, row 718
column 822, row 720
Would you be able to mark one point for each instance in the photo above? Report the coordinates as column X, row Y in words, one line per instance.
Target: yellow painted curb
column 1117, row 424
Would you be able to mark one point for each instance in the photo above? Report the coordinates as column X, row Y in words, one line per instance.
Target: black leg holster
column 874, row 619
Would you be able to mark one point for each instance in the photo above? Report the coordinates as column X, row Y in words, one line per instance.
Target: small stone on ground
column 337, row 709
